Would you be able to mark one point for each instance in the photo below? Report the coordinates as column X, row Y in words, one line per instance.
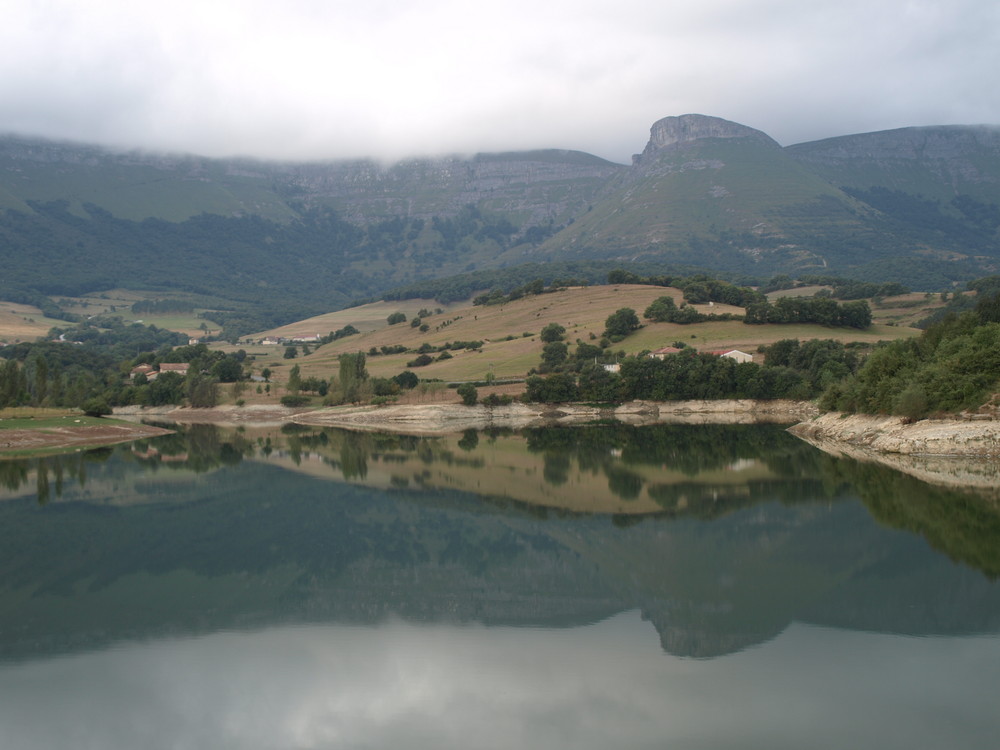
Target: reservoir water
column 607, row 586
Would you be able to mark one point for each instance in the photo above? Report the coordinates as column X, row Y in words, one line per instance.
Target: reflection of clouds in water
column 606, row 685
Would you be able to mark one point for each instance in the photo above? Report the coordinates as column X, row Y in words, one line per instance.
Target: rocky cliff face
column 535, row 185
column 674, row 131
column 937, row 162
column 919, row 144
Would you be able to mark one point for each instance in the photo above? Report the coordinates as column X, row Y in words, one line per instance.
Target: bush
column 95, row 407
column 293, row 400
column 468, row 393
column 406, row 379
column 553, row 332
column 496, row 400
column 421, row 361
column 621, row 323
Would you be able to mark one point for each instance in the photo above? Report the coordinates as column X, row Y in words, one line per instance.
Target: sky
column 389, row 79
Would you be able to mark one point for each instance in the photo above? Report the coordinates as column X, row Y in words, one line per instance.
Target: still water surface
column 669, row 586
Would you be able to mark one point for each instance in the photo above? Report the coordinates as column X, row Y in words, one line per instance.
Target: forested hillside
column 274, row 241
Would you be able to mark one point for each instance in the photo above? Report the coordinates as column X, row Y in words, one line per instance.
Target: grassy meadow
column 23, row 322
column 510, row 333
column 119, row 302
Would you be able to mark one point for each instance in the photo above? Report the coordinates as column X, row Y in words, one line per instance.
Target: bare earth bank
column 74, row 436
column 940, row 437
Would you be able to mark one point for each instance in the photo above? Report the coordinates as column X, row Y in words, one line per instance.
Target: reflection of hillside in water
column 216, row 540
column 673, row 471
column 683, row 470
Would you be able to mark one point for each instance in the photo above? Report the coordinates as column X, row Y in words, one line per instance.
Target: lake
column 603, row 586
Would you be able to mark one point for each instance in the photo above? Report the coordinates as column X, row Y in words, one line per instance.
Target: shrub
column 95, row 407
column 421, row 361
column 468, row 393
column 553, row 332
column 621, row 323
column 406, row 379
column 497, row 400
column 294, row 400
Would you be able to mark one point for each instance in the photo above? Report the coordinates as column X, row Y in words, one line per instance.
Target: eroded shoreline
column 974, row 436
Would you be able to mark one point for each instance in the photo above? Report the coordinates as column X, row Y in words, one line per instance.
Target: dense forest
column 263, row 272
column 954, row 365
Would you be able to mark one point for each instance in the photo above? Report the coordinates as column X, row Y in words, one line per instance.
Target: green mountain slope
column 918, row 205
column 936, row 162
column 708, row 186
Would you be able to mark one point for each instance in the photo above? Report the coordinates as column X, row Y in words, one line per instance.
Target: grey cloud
column 321, row 80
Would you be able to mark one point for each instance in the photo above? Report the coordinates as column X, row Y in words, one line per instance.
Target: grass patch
column 52, row 422
column 508, row 354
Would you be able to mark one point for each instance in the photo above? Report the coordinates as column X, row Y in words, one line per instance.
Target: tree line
column 952, row 366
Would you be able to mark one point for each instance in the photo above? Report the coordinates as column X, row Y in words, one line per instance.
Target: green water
column 310, row 589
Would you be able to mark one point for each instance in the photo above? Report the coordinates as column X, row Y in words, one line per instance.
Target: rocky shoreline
column 961, row 454
column 895, row 435
column 975, row 436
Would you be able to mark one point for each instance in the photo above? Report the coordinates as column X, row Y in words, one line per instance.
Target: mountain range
column 917, row 205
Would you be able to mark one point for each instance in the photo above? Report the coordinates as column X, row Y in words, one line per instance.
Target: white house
column 735, row 354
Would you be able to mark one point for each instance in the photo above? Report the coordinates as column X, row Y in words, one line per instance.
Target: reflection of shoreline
column 443, row 419
column 605, row 469
column 956, row 471
column 451, row 418
column 945, row 452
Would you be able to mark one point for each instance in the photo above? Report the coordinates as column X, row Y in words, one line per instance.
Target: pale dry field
column 24, row 323
column 507, row 351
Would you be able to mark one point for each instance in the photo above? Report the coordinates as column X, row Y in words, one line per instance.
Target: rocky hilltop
column 916, row 205
column 675, row 131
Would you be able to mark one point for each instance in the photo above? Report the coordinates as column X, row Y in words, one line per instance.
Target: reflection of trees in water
column 198, row 448
column 50, row 473
column 689, row 449
column 470, row 440
column 613, row 450
column 961, row 524
column 624, row 483
column 556, row 467
column 354, row 460
column 350, row 452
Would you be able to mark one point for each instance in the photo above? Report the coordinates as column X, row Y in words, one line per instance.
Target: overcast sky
column 309, row 79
